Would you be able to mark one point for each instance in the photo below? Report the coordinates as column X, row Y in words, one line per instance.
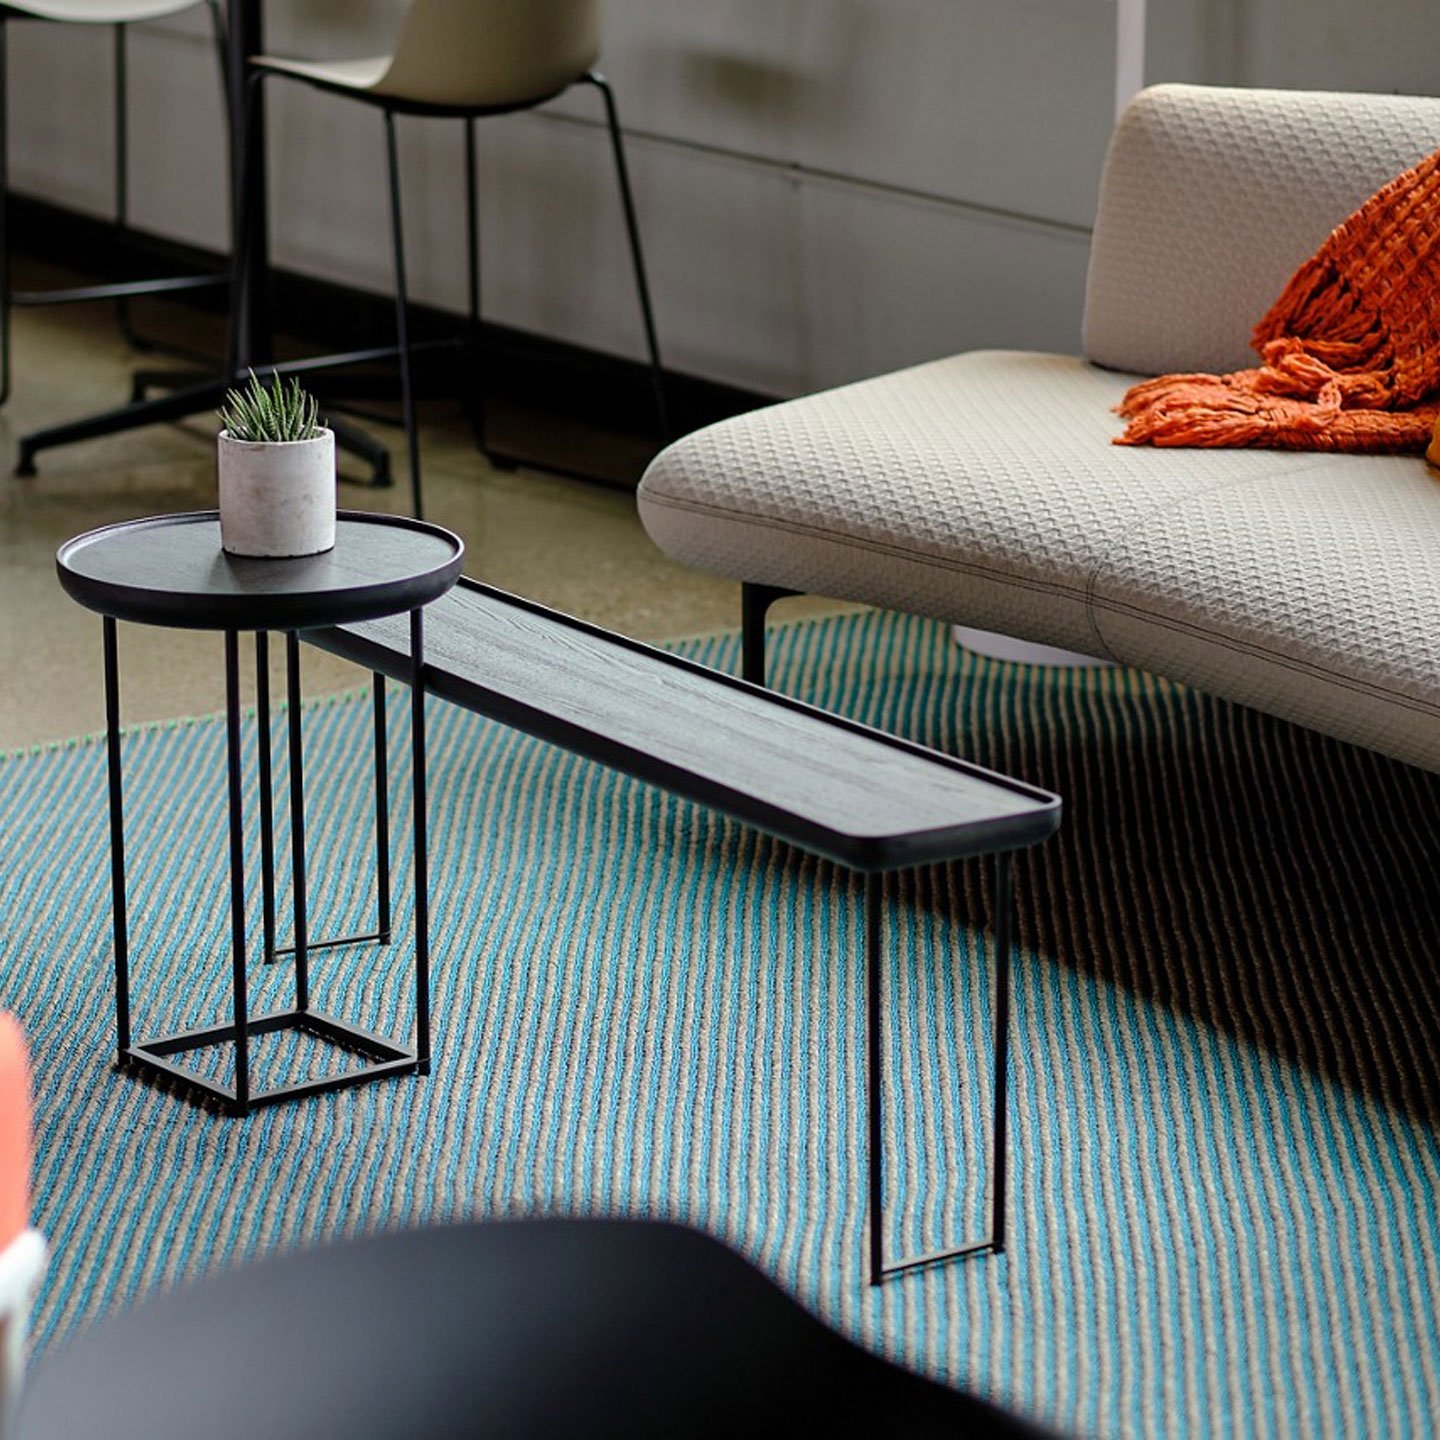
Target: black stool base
column 384, row 1056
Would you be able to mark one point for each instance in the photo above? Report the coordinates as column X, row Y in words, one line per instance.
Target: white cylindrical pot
column 277, row 498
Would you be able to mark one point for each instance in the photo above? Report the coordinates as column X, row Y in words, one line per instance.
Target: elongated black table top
column 859, row 796
column 170, row 570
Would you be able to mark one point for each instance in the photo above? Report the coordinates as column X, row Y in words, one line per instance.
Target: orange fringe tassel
column 1350, row 352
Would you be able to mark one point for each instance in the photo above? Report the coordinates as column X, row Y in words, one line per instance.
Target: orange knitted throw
column 1350, row 353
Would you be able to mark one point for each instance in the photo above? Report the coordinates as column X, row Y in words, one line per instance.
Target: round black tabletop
column 170, row 570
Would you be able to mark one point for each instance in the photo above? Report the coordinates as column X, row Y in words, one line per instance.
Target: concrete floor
column 566, row 543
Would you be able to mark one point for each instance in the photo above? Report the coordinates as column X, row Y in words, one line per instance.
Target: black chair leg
column 132, row 337
column 222, row 55
column 475, row 353
column 637, row 257
column 407, row 389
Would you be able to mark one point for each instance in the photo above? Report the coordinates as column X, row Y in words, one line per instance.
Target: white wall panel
column 1380, row 45
column 827, row 187
column 1005, row 105
column 892, row 281
column 782, row 281
column 60, row 103
column 61, row 107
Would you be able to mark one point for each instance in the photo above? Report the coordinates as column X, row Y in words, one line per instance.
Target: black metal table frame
column 382, row 1056
column 1004, row 921
column 481, row 694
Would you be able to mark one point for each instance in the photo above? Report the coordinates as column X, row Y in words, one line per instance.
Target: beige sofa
column 984, row 489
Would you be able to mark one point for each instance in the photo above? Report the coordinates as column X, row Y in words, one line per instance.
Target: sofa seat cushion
column 1312, row 592
column 983, row 489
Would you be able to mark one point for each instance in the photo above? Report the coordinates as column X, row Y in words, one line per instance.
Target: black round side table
column 171, row 571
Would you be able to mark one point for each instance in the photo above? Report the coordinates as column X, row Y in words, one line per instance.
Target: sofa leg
column 755, row 602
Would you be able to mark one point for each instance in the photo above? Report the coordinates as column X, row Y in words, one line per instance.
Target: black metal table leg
column 422, row 863
column 297, row 822
column 267, row 798
column 875, row 1075
column 1004, row 943
column 875, row 1080
column 117, row 840
column 379, row 1055
column 382, row 816
column 237, row 871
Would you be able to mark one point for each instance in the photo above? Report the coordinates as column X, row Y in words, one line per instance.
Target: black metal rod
column 358, row 357
column 477, row 371
column 875, row 1073
column 355, row 441
column 297, row 821
column 637, row 256
column 339, row 942
column 472, row 223
column 116, row 289
column 310, row 1022
column 195, row 1085
column 175, row 406
column 122, row 135
column 938, row 1257
column 267, row 798
column 197, row 1039
column 382, row 814
column 402, row 330
column 206, row 395
column 117, row 839
column 422, row 861
column 1004, row 924
column 237, row 870
column 122, row 179
column 222, row 54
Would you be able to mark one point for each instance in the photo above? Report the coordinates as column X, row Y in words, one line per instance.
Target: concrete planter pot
column 277, row 499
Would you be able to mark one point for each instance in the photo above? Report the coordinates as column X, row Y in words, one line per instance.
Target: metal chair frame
column 391, row 106
column 122, row 291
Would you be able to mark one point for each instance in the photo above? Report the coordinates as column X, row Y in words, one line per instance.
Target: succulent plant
column 273, row 414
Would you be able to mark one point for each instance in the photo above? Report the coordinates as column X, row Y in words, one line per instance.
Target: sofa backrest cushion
column 1212, row 197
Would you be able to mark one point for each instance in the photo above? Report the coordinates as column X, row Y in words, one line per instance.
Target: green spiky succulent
column 270, row 414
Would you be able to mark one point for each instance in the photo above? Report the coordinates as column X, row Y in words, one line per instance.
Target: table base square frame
column 152, row 1058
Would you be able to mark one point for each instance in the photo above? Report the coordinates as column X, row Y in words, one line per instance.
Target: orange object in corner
column 1349, row 353
column 1433, row 453
column 14, row 1131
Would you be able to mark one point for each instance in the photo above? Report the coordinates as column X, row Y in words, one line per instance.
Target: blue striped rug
column 1227, row 1023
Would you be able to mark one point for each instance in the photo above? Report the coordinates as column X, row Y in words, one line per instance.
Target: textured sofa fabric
column 1210, row 200
column 1307, row 585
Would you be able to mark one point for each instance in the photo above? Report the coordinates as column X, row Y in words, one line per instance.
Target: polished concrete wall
column 828, row 188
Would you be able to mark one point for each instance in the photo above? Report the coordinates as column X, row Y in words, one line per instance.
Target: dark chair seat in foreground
column 560, row 1328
